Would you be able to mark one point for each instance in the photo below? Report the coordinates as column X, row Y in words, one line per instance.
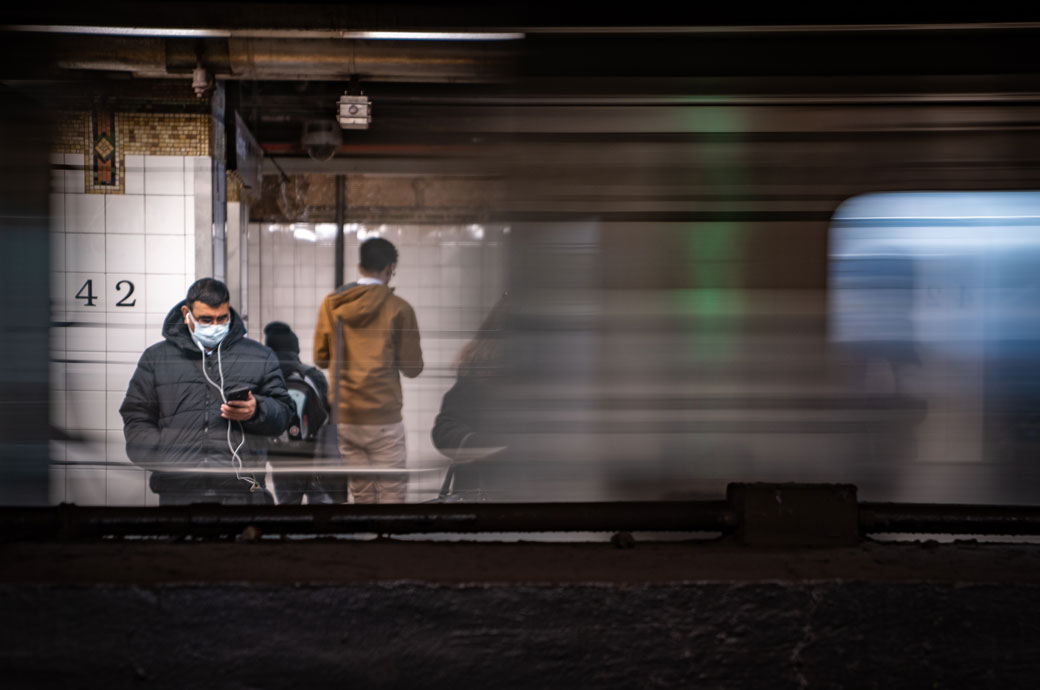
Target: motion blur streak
column 719, row 292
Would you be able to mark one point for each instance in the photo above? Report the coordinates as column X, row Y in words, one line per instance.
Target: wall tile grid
column 253, row 278
column 451, row 275
column 120, row 262
column 286, row 287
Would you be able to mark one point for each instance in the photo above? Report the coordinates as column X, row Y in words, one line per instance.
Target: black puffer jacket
column 171, row 414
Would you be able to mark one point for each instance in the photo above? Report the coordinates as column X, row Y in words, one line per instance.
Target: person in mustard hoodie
column 367, row 337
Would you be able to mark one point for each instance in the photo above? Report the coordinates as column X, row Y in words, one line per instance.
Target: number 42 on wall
column 86, row 293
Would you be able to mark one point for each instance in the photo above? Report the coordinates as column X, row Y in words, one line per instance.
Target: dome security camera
column 321, row 139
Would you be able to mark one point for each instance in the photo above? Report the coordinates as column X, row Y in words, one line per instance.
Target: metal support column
column 341, row 213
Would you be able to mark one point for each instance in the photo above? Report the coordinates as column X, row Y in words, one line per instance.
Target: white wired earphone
column 236, row 460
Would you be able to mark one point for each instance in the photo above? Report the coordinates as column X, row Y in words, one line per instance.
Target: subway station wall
column 119, row 262
column 451, row 274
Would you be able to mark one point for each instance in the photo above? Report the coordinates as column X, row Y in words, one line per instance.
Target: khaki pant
column 375, row 446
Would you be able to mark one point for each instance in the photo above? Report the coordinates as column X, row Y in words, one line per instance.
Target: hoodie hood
column 358, row 305
column 176, row 331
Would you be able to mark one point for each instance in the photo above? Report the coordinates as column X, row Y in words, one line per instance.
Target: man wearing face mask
column 181, row 418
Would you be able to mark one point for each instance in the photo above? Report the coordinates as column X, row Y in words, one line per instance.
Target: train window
column 935, row 298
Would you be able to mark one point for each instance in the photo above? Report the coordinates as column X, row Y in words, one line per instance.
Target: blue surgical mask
column 209, row 336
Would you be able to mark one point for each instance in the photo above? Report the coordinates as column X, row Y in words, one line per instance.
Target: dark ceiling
column 284, row 64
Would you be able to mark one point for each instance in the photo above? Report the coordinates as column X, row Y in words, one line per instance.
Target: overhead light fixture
column 355, row 111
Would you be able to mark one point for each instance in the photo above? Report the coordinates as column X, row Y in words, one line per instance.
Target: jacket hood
column 176, row 331
column 358, row 305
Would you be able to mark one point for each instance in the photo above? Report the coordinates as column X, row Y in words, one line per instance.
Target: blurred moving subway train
column 713, row 254
column 819, row 266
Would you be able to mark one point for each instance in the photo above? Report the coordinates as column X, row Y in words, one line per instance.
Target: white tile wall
column 118, row 371
column 234, row 245
column 189, row 215
column 124, row 214
column 164, row 215
column 85, row 409
column 305, row 269
column 189, row 255
column 133, row 167
column 164, row 175
column 113, row 399
column 116, row 448
column 138, row 251
column 325, row 275
column 85, row 253
column 189, row 174
column 125, row 486
column 126, row 332
column 87, row 334
column 285, row 298
column 192, row 166
column 153, row 325
column 85, row 371
column 84, row 213
column 320, row 293
column 164, row 291
column 124, row 253
column 86, row 446
column 164, row 254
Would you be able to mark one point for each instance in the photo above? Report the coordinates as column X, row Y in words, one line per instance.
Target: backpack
column 311, row 411
column 310, row 438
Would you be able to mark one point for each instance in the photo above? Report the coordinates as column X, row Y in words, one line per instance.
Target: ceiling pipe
column 287, row 59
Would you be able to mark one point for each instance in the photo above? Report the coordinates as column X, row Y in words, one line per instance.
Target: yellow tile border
column 153, row 134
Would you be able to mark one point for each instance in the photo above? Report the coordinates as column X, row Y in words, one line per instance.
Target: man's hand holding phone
column 240, row 405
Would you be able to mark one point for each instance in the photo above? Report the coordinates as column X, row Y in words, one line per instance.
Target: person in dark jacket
column 177, row 418
column 285, row 344
column 467, row 428
column 291, row 487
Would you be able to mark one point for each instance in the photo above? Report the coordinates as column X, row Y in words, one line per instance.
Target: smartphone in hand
column 240, row 393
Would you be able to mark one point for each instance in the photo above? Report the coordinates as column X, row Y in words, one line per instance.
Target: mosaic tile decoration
column 149, row 134
column 105, row 166
column 72, row 132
